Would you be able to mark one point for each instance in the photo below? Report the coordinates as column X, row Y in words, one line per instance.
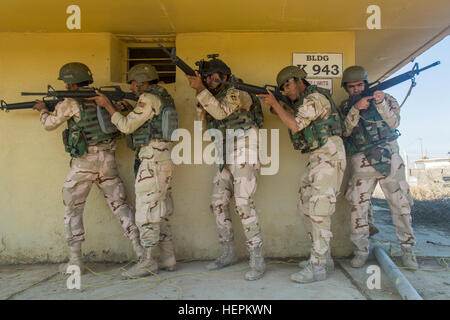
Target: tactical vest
column 316, row 134
column 241, row 119
column 153, row 128
column 370, row 131
column 86, row 132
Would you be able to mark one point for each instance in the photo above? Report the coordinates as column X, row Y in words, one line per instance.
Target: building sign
column 323, row 83
column 319, row 64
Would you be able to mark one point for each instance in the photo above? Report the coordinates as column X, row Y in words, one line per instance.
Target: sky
column 425, row 116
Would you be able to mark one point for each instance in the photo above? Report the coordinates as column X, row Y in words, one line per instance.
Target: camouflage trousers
column 361, row 185
column 319, row 189
column 239, row 180
column 154, row 204
column 99, row 167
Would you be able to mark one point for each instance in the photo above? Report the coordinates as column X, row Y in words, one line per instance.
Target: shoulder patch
column 233, row 94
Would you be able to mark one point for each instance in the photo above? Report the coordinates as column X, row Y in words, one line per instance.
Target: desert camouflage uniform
column 238, row 179
column 320, row 183
column 97, row 166
column 364, row 178
column 154, row 203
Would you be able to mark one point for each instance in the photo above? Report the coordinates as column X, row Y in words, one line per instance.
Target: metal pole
column 404, row 288
column 421, row 147
column 406, row 166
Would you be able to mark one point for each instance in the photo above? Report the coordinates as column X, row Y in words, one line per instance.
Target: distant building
column 431, row 173
column 432, row 163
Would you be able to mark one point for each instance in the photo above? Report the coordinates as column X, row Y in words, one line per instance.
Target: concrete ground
column 192, row 281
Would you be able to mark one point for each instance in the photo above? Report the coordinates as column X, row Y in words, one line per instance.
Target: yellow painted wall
column 33, row 164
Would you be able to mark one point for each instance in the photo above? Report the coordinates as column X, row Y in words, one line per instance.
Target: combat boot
column 372, row 230
column 310, row 273
column 137, row 248
column 359, row 260
column 167, row 259
column 75, row 259
column 329, row 264
column 409, row 259
column 257, row 265
column 227, row 258
column 145, row 267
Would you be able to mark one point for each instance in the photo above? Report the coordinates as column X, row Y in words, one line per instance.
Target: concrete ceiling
column 408, row 26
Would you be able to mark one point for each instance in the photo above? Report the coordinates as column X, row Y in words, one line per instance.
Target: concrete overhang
column 408, row 27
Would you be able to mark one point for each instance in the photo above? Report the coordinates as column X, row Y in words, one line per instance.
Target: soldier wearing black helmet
column 315, row 129
column 371, row 140
column 147, row 134
column 93, row 161
column 225, row 108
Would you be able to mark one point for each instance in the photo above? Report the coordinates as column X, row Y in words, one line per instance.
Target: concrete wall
column 33, row 164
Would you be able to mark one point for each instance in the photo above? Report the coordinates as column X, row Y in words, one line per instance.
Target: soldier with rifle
column 225, row 108
column 315, row 129
column 149, row 127
column 371, row 121
column 93, row 161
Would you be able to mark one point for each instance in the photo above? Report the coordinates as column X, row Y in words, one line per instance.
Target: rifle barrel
column 111, row 94
column 429, row 66
column 27, row 105
column 178, row 62
column 400, row 78
column 34, row 93
column 249, row 88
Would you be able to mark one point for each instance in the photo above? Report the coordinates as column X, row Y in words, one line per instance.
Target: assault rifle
column 202, row 64
column 51, row 103
column 238, row 84
column 377, row 85
column 114, row 93
column 177, row 61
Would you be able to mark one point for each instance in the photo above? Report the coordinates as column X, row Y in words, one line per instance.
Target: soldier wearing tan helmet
column 370, row 139
column 149, row 137
column 315, row 129
column 93, row 161
column 226, row 108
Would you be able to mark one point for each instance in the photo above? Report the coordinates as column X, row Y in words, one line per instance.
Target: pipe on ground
column 404, row 288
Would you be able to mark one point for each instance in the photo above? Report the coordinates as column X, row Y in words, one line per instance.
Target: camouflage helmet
column 75, row 72
column 142, row 72
column 288, row 73
column 354, row 73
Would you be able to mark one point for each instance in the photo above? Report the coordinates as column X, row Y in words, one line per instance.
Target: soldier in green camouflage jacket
column 226, row 108
column 371, row 141
column 93, row 161
column 315, row 129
